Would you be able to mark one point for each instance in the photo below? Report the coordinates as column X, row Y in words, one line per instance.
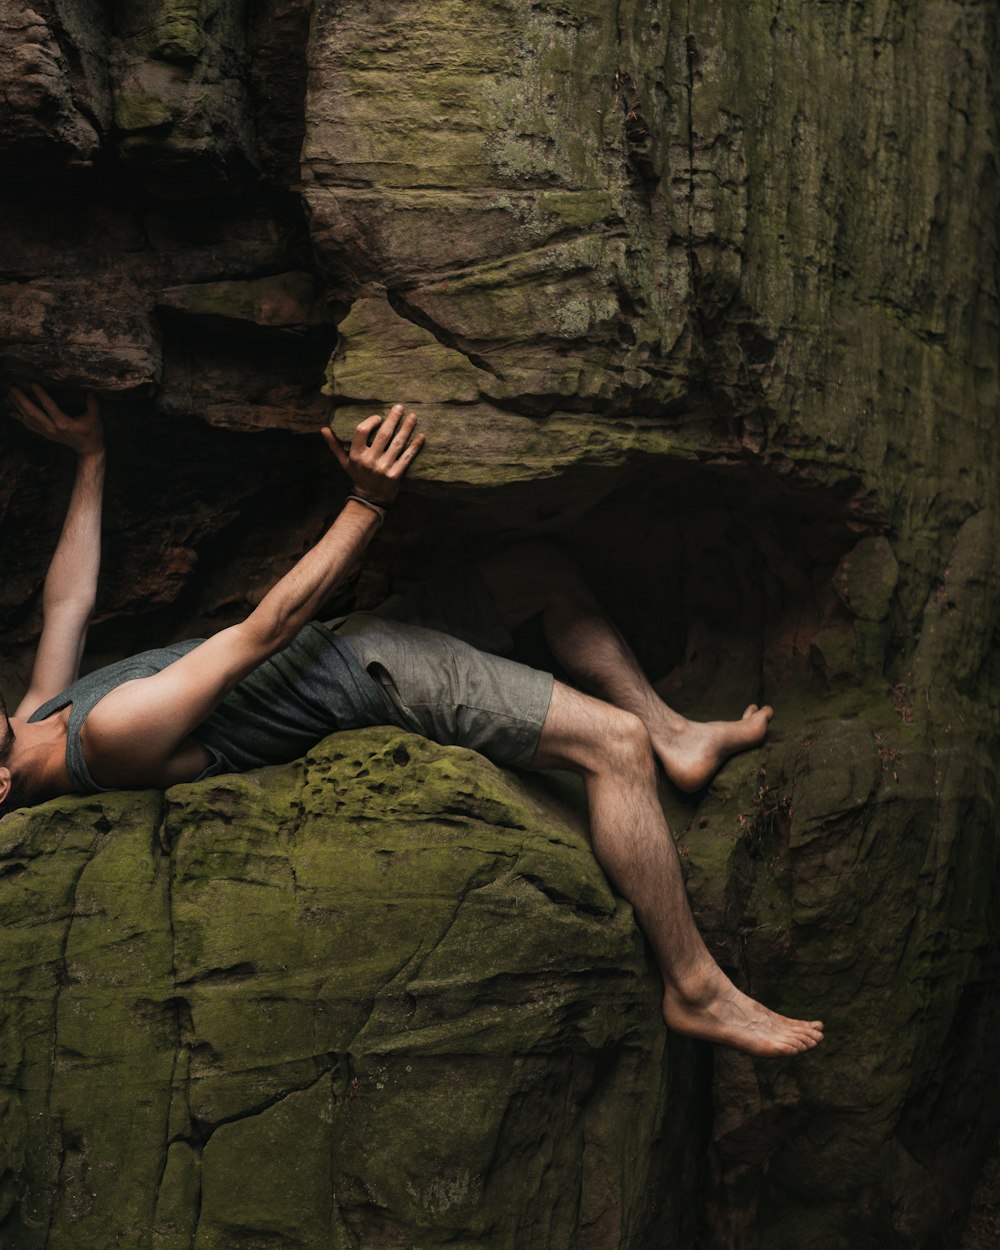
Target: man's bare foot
column 692, row 752
column 712, row 1008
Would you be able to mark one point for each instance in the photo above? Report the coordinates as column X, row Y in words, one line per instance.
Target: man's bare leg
column 538, row 578
column 610, row 749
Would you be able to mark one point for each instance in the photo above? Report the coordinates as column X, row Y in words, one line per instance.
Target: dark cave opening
column 720, row 578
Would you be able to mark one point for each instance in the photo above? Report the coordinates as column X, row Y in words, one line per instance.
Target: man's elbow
column 77, row 610
column 266, row 633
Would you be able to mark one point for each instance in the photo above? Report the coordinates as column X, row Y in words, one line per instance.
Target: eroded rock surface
column 380, row 998
column 708, row 292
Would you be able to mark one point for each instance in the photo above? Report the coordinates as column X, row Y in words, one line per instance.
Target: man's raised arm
column 71, row 582
column 133, row 732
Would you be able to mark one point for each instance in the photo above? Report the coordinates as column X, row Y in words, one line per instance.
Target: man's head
column 6, row 747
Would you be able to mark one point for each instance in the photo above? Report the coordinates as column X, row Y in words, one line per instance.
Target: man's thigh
column 458, row 603
column 451, row 692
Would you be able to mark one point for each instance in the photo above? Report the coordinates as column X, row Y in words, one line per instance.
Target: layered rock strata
column 709, row 292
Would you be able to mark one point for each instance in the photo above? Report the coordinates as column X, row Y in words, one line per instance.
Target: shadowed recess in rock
column 709, row 294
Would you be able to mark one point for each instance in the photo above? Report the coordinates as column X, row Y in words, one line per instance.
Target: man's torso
column 274, row 715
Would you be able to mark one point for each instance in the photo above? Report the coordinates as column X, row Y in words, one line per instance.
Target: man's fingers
column 402, row 434
column 375, row 467
column 18, row 413
column 403, row 462
column 333, row 442
column 27, row 408
column 28, row 421
column 359, row 443
column 47, row 402
column 387, row 429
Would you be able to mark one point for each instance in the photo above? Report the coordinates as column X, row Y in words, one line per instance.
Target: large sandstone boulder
column 383, row 997
column 707, row 291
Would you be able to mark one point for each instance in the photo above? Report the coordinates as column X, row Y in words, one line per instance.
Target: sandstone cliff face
column 710, row 292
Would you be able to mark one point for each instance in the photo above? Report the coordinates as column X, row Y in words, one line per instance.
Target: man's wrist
column 368, row 497
column 367, row 506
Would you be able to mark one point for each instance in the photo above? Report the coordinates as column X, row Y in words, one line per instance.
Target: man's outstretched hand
column 376, row 464
column 84, row 434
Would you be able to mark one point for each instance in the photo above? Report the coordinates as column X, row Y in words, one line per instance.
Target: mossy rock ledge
column 380, row 997
column 385, row 997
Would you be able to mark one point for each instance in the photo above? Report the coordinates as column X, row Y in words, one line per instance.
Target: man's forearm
column 71, row 581
column 375, row 468
column 135, row 730
column 298, row 597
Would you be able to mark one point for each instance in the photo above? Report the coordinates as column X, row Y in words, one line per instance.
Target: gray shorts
column 438, row 652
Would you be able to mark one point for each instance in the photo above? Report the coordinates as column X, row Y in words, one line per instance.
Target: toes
column 750, row 711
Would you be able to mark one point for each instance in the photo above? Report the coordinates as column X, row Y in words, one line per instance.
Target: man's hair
column 6, row 745
column 6, row 733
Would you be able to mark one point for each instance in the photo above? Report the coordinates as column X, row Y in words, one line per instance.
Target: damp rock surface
column 705, row 292
column 359, row 1000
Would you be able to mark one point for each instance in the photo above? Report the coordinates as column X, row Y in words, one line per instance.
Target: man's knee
column 590, row 736
column 550, row 564
column 626, row 743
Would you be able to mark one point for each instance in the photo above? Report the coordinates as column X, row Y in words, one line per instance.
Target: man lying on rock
column 265, row 690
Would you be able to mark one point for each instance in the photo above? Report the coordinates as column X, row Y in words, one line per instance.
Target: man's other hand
column 381, row 451
column 84, row 433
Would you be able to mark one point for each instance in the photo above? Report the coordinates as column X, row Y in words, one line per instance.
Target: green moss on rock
column 301, row 1004
column 141, row 112
column 285, row 301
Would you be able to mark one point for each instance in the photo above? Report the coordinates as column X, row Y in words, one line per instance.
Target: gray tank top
column 275, row 714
